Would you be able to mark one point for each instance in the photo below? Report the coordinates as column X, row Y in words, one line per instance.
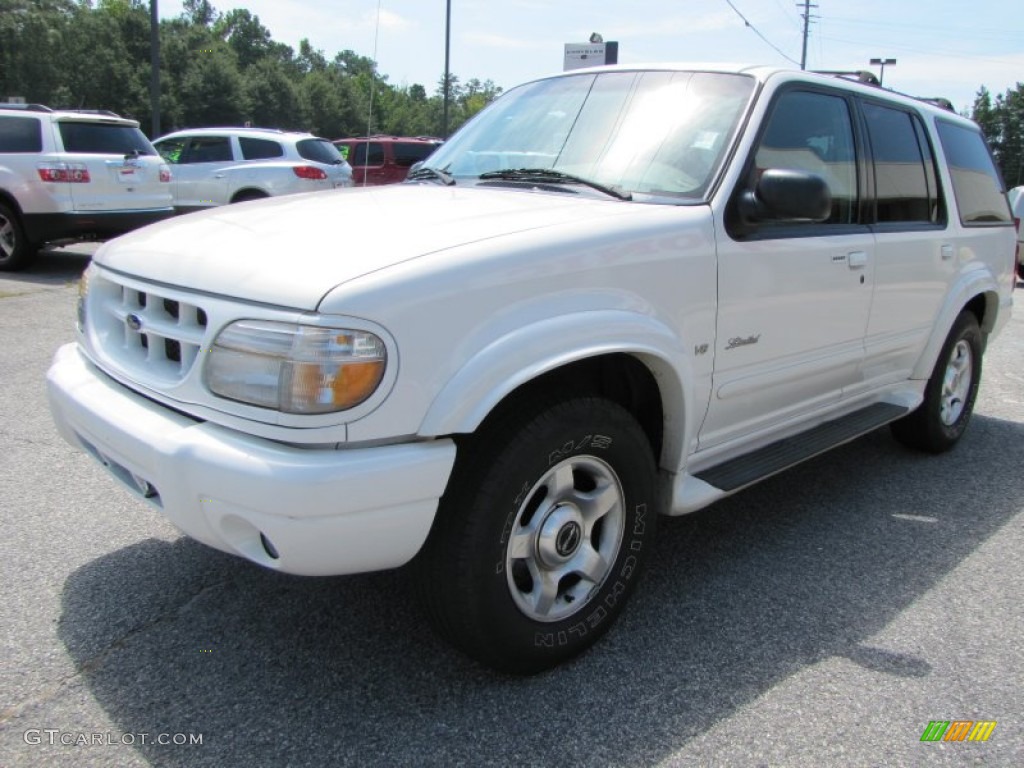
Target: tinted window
column 260, row 149
column 375, row 151
column 904, row 167
column 319, row 151
column 976, row 182
column 171, row 149
column 812, row 132
column 103, row 139
column 20, row 134
column 407, row 153
column 208, row 149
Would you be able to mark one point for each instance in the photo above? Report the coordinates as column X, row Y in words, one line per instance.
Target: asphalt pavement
column 822, row 618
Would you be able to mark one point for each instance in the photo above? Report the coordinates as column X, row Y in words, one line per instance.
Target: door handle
column 947, row 252
column 857, row 259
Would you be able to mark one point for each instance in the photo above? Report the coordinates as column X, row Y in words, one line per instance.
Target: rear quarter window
column 260, row 149
column 20, row 134
column 977, row 186
column 103, row 138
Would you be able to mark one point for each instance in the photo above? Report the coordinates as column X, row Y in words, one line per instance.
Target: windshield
column 647, row 133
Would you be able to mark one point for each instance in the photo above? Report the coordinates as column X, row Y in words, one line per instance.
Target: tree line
column 1002, row 120
column 215, row 69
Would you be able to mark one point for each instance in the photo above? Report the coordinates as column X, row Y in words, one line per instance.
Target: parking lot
column 822, row 618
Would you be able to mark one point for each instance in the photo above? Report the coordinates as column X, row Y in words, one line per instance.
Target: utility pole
column 807, row 23
column 154, row 69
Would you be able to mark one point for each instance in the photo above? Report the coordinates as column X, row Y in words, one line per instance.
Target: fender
column 971, row 283
column 520, row 356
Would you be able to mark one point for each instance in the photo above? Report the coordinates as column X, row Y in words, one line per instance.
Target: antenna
column 373, row 85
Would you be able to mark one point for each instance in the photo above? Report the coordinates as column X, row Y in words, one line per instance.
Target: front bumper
column 308, row 511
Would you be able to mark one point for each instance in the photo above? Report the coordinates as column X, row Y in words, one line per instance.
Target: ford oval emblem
column 134, row 322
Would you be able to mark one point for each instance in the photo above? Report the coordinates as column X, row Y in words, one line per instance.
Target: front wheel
column 542, row 535
column 949, row 396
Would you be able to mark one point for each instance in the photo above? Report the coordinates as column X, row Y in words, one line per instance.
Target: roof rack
column 26, row 107
column 938, row 101
column 860, row 75
column 103, row 112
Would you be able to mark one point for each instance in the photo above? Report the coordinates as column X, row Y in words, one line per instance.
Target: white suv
column 614, row 294
column 214, row 166
column 70, row 174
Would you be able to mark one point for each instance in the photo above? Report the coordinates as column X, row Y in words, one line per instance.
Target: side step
column 747, row 469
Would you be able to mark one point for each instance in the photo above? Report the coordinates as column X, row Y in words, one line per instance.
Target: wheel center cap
column 560, row 535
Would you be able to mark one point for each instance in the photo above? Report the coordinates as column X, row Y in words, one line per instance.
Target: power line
column 755, row 30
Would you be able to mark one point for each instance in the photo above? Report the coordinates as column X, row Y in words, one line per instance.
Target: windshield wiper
column 550, row 176
column 426, row 173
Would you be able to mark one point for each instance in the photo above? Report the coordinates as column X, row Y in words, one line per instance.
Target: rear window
column 260, row 149
column 976, row 183
column 20, row 134
column 319, row 151
column 103, row 138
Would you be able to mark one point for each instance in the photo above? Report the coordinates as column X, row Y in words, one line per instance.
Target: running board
column 747, row 469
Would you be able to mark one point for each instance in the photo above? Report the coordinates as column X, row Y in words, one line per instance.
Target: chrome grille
column 145, row 330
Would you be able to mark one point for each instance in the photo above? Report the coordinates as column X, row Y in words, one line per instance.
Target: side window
column 20, row 134
column 171, row 149
column 976, row 183
column 207, row 149
column 368, row 153
column 812, row 132
column 905, row 185
column 407, row 153
column 260, row 149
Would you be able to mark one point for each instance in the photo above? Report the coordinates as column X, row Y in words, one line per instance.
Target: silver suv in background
column 214, row 166
column 70, row 175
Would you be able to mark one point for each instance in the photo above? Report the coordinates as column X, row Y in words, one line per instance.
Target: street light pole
column 447, row 70
column 154, row 68
column 881, row 63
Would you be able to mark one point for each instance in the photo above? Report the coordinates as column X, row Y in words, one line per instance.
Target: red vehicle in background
column 384, row 159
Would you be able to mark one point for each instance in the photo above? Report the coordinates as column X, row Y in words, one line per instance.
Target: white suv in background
column 70, row 174
column 215, row 166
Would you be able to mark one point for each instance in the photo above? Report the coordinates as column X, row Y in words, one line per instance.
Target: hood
column 290, row 251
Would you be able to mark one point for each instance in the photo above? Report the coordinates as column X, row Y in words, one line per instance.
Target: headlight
column 295, row 368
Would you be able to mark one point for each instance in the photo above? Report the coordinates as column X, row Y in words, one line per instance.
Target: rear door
column 112, row 166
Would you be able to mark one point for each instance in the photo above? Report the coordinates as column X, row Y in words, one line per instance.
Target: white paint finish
column 326, row 511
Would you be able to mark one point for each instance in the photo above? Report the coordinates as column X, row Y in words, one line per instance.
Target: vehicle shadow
column 282, row 670
column 53, row 266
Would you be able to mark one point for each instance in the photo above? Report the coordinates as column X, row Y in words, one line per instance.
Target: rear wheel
column 15, row 250
column 543, row 532
column 949, row 396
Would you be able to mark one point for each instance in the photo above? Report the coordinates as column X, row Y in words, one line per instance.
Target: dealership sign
column 579, row 55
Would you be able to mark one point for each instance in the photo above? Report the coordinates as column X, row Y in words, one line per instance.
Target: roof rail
column 938, row 101
column 26, row 107
column 860, row 75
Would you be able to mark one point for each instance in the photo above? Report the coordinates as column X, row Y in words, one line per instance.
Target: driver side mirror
column 782, row 195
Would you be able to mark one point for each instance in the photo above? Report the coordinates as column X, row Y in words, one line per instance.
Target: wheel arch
column 248, row 193
column 978, row 295
column 638, row 364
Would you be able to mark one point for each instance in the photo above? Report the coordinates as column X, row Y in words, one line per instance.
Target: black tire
column 949, row 396
column 516, row 486
column 16, row 252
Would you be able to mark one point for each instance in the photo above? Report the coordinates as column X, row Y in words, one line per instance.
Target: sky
column 942, row 47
